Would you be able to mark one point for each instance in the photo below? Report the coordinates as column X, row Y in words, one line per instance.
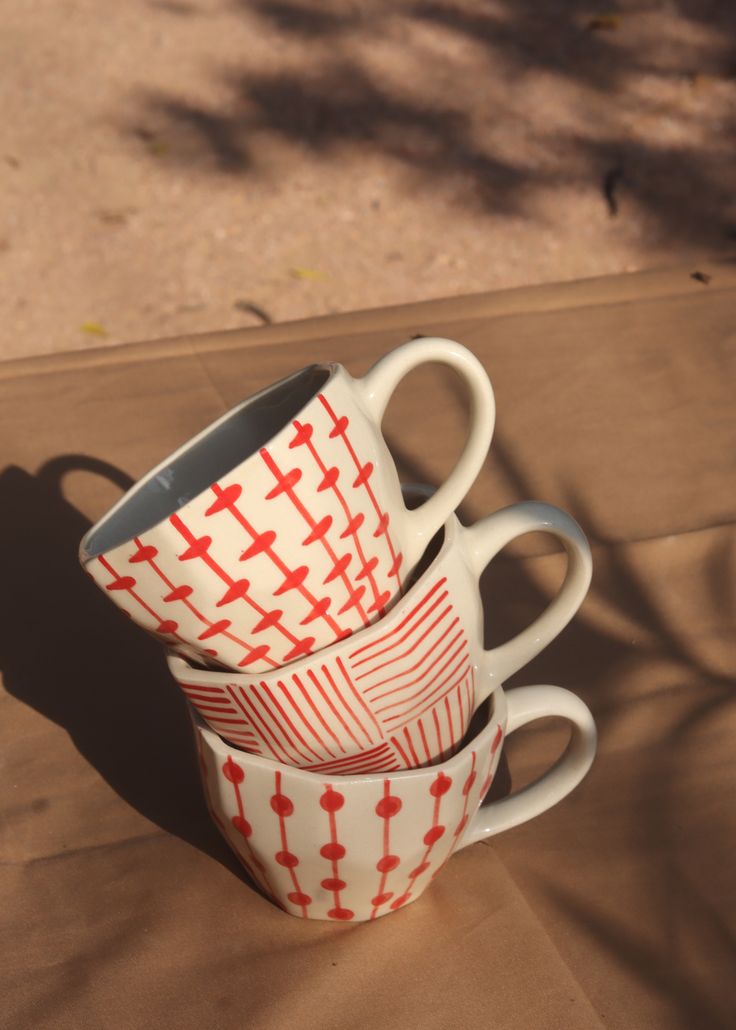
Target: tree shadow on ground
column 336, row 106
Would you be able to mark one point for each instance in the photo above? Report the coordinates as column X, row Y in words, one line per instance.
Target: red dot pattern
column 433, row 835
column 332, row 851
column 440, row 786
column 231, row 771
column 282, row 805
column 332, row 800
column 381, row 899
column 333, row 883
column 242, row 826
column 344, row 914
column 388, row 807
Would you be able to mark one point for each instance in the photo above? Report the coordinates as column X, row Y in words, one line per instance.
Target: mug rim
column 451, row 532
column 497, row 716
column 332, row 370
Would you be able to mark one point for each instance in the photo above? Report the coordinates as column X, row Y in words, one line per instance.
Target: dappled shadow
column 66, row 652
column 334, row 104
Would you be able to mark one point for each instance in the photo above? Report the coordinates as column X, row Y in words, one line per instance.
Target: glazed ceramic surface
column 355, row 848
column 281, row 528
column 400, row 693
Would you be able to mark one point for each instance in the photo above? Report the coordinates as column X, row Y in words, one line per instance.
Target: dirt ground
column 172, row 166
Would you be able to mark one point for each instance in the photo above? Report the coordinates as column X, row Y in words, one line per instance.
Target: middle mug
column 402, row 692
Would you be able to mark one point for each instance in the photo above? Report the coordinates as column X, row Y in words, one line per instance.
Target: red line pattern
column 364, row 471
column 331, row 802
column 435, row 833
column 386, row 809
column 235, row 775
column 402, row 701
column 226, row 499
column 355, row 520
column 284, row 807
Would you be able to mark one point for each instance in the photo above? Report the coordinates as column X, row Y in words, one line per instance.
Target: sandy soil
column 171, row 166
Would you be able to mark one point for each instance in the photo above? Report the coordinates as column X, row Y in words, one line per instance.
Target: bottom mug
column 355, row 848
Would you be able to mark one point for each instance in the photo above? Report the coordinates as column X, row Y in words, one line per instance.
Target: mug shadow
column 66, row 652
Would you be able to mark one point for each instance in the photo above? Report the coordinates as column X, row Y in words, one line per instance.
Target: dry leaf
column 115, row 216
column 605, row 23
column 93, row 329
column 306, row 273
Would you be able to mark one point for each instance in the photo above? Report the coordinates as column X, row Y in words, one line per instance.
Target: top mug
column 281, row 528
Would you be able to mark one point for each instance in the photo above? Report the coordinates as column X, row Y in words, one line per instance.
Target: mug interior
column 202, row 461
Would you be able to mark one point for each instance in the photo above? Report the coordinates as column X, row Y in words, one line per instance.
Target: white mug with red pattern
column 355, row 848
column 400, row 693
column 281, row 528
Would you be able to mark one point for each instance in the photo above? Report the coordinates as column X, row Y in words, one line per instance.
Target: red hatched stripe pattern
column 402, row 701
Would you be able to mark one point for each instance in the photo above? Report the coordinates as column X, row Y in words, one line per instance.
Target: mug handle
column 525, row 704
column 377, row 386
column 483, row 542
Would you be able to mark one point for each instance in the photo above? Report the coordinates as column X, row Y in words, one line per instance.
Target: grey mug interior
column 208, row 457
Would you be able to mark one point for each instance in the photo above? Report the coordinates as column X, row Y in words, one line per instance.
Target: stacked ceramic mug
column 326, row 628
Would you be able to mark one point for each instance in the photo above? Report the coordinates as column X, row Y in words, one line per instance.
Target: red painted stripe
column 449, row 722
column 225, row 722
column 253, row 866
column 212, row 700
column 410, row 615
column 414, row 644
column 346, row 510
column 363, row 764
column 432, row 703
column 300, row 712
column 277, row 724
column 460, row 706
column 404, row 686
column 427, row 752
column 414, row 755
column 420, row 696
column 187, row 687
column 210, row 562
column 332, row 708
column 386, row 851
column 348, row 760
column 347, row 707
column 441, row 749
column 373, row 766
column 129, row 590
column 307, row 694
column 293, row 728
column 274, row 557
column 285, row 846
column 399, row 748
column 308, row 698
column 412, row 629
column 172, row 586
column 224, row 707
column 365, row 482
column 353, row 520
column 312, row 523
column 254, row 719
column 359, row 697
